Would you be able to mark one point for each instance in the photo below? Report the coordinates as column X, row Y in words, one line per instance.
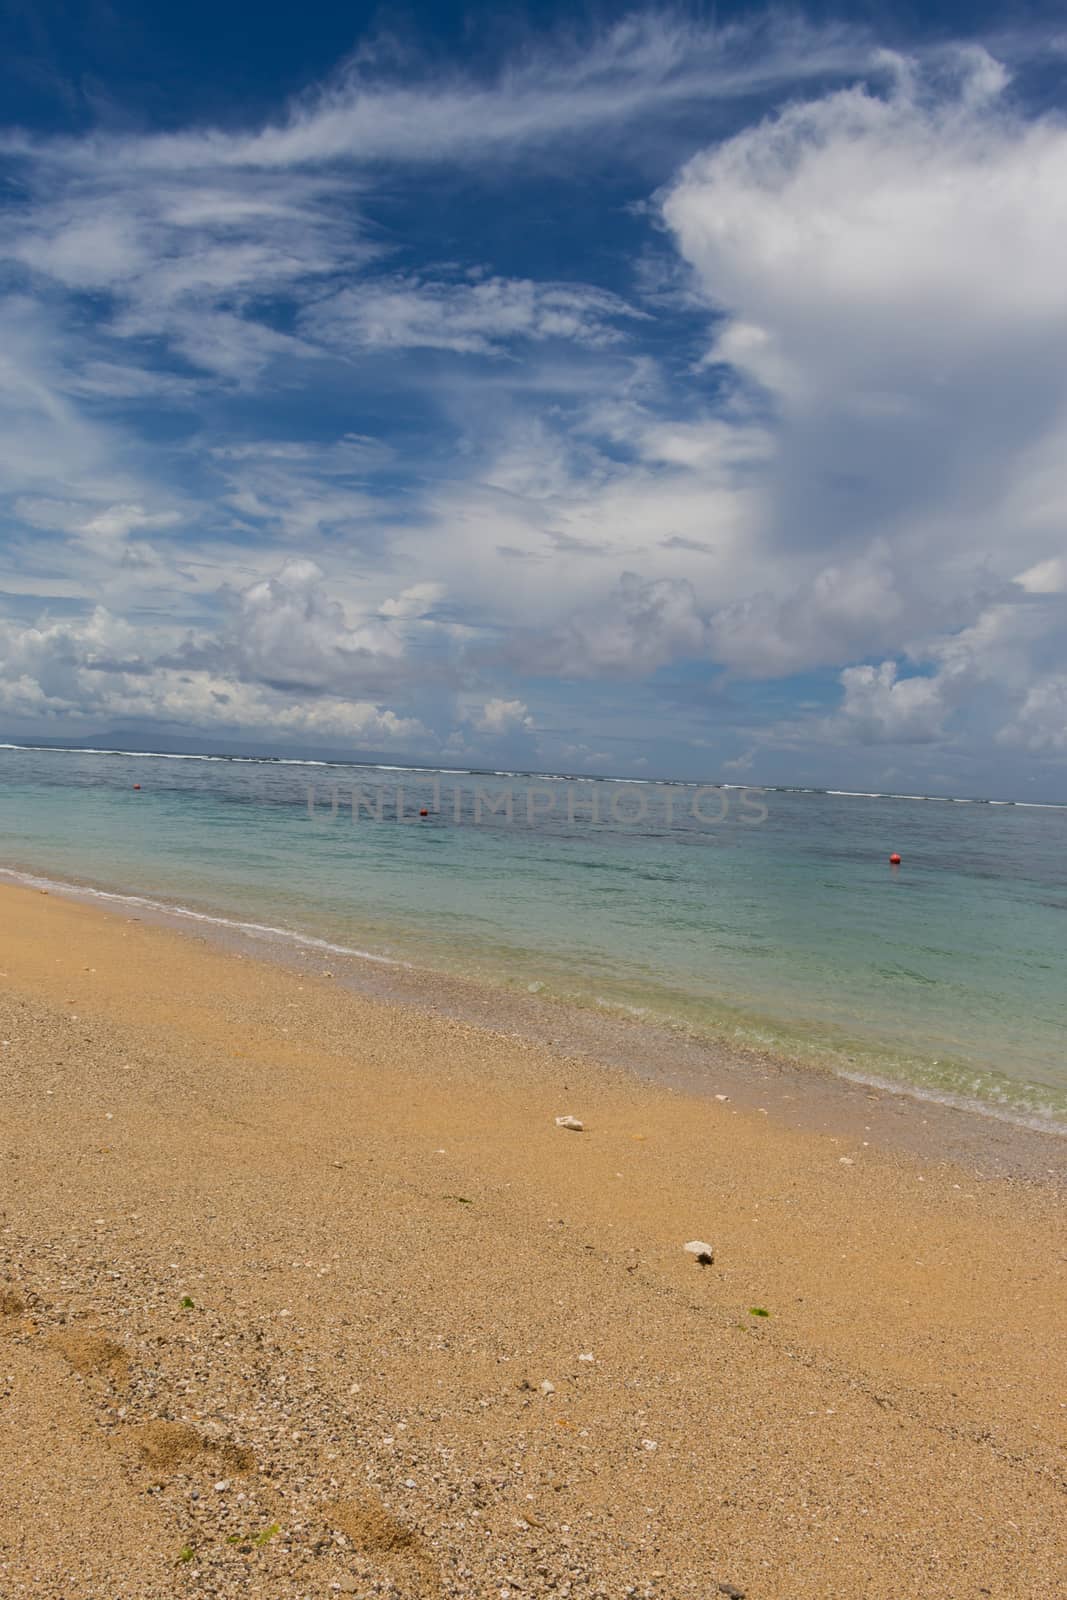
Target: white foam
column 542, row 777
column 258, row 930
column 171, row 755
column 1037, row 1119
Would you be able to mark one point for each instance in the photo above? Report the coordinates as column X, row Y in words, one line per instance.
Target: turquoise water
column 791, row 931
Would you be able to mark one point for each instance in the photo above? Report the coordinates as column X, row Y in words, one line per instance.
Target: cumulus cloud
column 883, row 263
column 880, row 707
column 501, row 716
column 288, row 659
column 290, row 631
column 74, row 674
column 876, row 257
column 933, row 198
column 983, row 674
column 417, row 601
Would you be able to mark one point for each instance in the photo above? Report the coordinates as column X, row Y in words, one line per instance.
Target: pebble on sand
column 570, row 1122
column 703, row 1252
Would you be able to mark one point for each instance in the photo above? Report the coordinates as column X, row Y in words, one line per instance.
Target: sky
column 647, row 392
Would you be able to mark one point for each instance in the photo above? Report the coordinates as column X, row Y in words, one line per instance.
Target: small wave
column 259, row 930
column 1001, row 1108
column 541, row 777
column 172, row 755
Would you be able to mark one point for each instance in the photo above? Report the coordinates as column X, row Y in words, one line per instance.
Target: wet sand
column 304, row 1292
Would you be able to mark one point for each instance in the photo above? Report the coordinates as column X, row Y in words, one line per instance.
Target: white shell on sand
column 570, row 1122
column 703, row 1252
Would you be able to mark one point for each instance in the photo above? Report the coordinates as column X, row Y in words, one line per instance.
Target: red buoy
column 894, row 860
column 137, row 785
column 424, row 812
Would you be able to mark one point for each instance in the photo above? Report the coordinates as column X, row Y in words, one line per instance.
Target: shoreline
column 898, row 1117
column 304, row 1293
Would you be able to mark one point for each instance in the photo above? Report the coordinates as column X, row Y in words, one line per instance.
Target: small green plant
column 186, row 1553
column 757, row 1311
column 187, row 1304
column 264, row 1536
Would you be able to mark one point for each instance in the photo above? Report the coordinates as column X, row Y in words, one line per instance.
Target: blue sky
column 657, row 393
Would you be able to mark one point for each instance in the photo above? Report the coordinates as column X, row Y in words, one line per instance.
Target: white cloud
column 104, row 529
column 115, row 523
column 879, row 707
column 931, row 200
column 637, row 626
column 192, row 260
column 1046, row 577
column 200, row 238
column 579, row 84
column 480, row 318
column 299, row 496
column 557, row 508
column 886, row 270
column 290, row 630
column 1040, row 723
column 502, row 716
column 46, row 445
column 415, row 602
column 865, row 473
column 841, row 611
column 78, row 673
column 983, row 674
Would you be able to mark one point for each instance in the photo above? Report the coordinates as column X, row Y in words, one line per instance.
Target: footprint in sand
column 93, row 1354
column 170, row 1447
column 11, row 1304
column 374, row 1531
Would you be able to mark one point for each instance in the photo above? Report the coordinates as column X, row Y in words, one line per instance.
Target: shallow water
column 789, row 931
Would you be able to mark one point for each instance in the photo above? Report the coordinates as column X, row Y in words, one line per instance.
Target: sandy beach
column 306, row 1293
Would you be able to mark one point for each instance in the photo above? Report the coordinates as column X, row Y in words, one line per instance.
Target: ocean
column 769, row 918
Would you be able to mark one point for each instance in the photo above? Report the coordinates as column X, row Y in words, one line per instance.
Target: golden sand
column 305, row 1294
